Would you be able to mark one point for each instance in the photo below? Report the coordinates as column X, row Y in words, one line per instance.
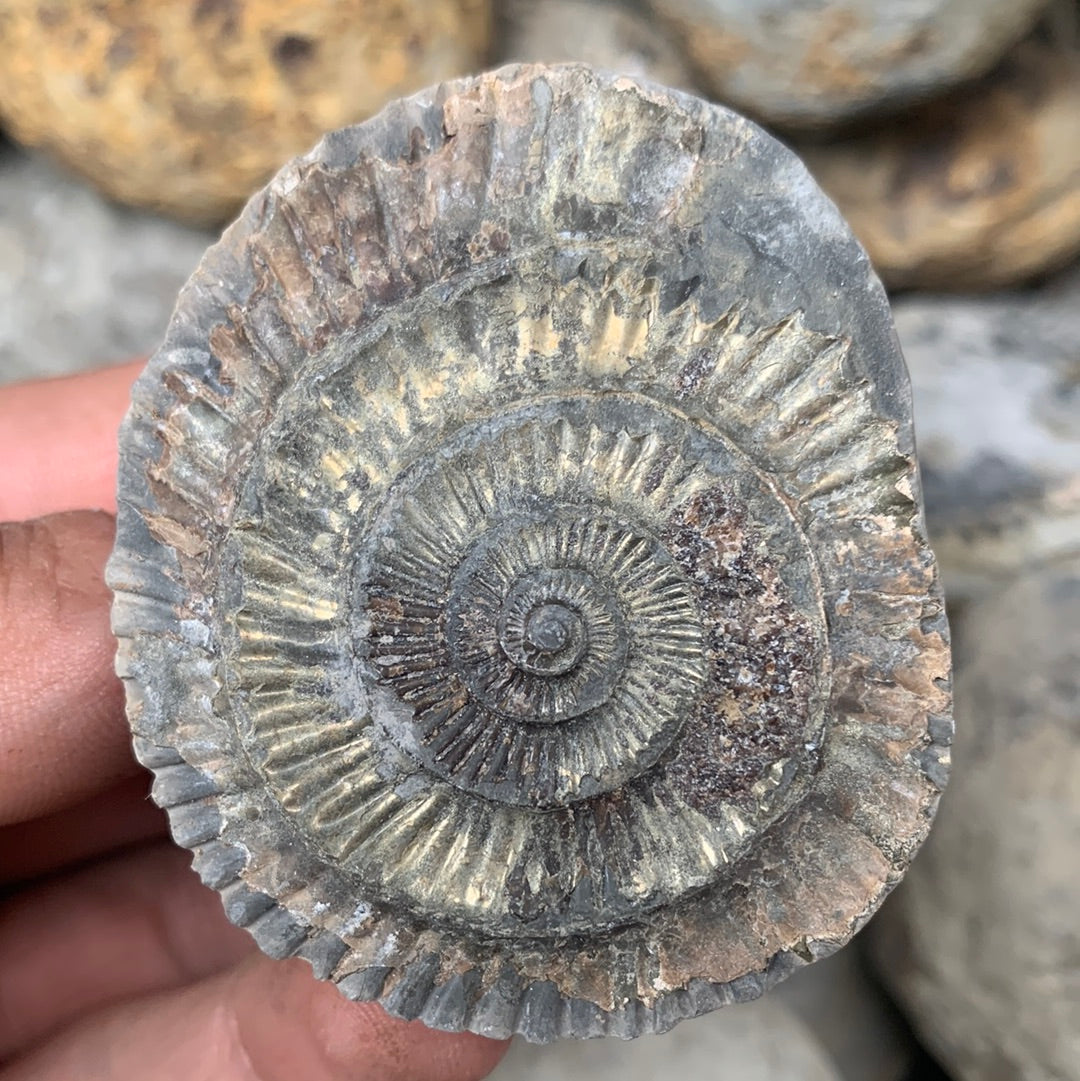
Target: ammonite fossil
column 520, row 576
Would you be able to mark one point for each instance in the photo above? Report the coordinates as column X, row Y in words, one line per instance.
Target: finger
column 58, row 442
column 263, row 1021
column 133, row 924
column 62, row 730
column 121, row 817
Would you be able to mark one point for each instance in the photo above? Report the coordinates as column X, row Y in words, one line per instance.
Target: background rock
column 607, row 35
column 187, row 107
column 977, row 190
column 997, row 423
column 83, row 282
column 757, row 1041
column 811, row 63
column 981, row 942
column 850, row 1016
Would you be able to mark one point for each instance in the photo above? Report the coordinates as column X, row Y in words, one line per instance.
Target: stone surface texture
column 187, row 107
column 610, row 36
column 808, row 64
column 83, row 282
column 975, row 191
column 756, row 1041
column 521, row 585
column 981, row 941
column 996, row 382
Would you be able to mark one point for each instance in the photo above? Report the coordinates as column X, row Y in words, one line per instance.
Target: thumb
column 262, row 1021
column 62, row 730
column 58, row 442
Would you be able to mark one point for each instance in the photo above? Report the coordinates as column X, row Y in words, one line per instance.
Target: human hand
column 115, row 962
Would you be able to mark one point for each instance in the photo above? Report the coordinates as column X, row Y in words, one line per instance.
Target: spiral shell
column 520, row 578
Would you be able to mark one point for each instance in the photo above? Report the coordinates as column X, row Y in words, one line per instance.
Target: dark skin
column 116, row 964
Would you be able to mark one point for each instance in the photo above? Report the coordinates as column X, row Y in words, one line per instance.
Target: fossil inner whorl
column 528, row 612
column 573, row 639
column 539, row 644
column 512, row 614
column 543, row 629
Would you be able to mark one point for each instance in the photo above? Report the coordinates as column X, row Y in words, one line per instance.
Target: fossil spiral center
column 536, row 644
column 550, row 627
column 550, row 640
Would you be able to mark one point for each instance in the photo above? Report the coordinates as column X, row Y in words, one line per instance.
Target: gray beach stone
column 851, row 1017
column 981, row 941
column 996, row 384
column 83, row 282
column 805, row 64
column 611, row 36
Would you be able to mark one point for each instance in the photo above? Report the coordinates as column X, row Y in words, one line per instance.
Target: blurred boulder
column 83, row 282
column 975, row 191
column 851, row 1017
column 188, row 106
column 807, row 64
column 981, row 941
column 756, row 1041
column 610, row 36
column 996, row 384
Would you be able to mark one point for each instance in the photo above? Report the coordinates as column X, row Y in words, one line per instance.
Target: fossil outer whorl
column 520, row 577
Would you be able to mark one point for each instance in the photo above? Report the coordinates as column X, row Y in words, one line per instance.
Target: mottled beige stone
column 188, row 107
column 974, row 191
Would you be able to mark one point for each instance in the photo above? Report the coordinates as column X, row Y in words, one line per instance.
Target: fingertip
column 58, row 442
column 261, row 1021
column 358, row 1033
column 62, row 733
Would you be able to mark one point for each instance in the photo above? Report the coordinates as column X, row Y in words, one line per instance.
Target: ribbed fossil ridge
column 520, row 578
